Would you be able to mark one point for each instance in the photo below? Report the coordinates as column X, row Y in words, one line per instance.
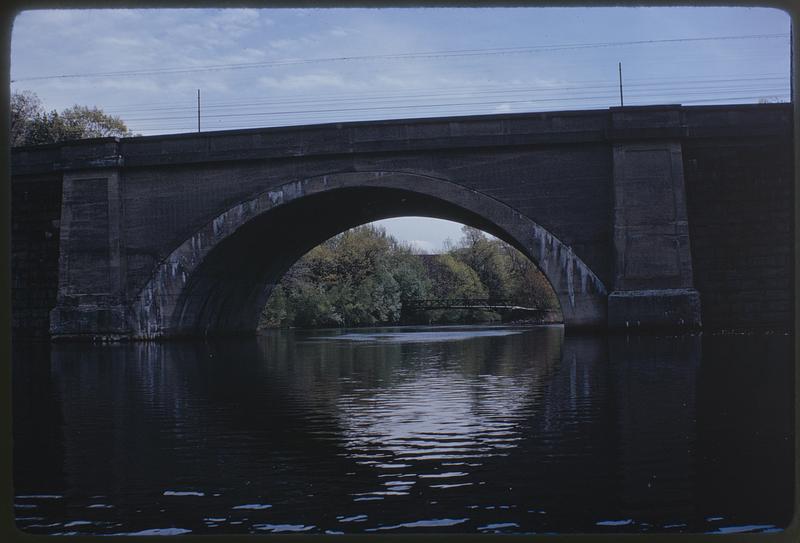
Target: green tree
column 31, row 124
column 276, row 313
column 507, row 273
column 363, row 277
column 453, row 279
column 312, row 307
column 359, row 277
column 528, row 285
column 411, row 276
column 486, row 257
column 25, row 106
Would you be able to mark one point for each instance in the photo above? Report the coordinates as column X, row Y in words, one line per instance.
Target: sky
column 279, row 67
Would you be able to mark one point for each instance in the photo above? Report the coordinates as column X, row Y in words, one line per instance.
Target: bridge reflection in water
column 456, row 429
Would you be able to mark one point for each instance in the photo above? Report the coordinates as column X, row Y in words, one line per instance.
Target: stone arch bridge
column 638, row 217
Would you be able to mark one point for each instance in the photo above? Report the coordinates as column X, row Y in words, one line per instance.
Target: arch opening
column 376, row 275
column 218, row 281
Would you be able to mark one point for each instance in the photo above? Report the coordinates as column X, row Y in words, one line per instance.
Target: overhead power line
column 711, row 84
column 473, row 88
column 609, row 94
column 396, row 56
column 567, row 104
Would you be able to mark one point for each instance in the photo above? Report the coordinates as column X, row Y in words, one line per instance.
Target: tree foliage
column 507, row 273
column 357, row 278
column 363, row 276
column 31, row 124
column 455, row 279
column 25, row 106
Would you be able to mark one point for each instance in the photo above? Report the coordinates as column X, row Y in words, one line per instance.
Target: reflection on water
column 429, row 335
column 455, row 429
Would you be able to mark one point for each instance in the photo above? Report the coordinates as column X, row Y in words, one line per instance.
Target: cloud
column 241, row 17
column 308, row 81
column 293, row 43
column 55, row 42
column 236, row 22
column 75, row 86
column 119, row 41
column 207, row 84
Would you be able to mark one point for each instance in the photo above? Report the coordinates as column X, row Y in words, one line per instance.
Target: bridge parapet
column 407, row 135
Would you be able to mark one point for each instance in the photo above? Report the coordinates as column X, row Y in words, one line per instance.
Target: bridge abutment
column 653, row 282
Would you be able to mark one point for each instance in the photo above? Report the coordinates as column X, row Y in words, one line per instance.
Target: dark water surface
column 457, row 429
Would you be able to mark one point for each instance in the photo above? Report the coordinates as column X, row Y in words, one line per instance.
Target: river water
column 430, row 429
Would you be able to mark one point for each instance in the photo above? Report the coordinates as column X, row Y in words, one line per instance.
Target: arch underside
column 218, row 281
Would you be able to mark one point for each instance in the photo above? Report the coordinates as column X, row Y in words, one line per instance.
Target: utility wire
column 531, row 101
column 397, row 56
column 300, row 122
column 473, row 103
column 285, row 118
column 685, row 79
column 409, row 97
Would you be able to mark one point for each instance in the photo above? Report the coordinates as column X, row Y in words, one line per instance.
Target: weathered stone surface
column 741, row 196
column 35, row 224
column 186, row 233
column 653, row 284
column 644, row 309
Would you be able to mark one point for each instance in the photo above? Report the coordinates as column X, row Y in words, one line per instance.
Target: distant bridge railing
column 427, row 304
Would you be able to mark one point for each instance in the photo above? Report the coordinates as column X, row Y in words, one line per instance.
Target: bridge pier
column 90, row 299
column 653, row 282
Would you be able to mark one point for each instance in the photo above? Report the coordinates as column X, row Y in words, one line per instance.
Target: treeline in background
column 363, row 276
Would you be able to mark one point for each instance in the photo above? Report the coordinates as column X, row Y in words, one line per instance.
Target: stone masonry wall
column 740, row 196
column 35, row 216
column 565, row 189
column 555, row 168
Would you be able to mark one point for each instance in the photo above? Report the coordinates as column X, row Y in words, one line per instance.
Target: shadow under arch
column 218, row 280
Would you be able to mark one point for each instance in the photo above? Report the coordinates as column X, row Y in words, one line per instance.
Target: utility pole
column 621, row 103
column 198, row 110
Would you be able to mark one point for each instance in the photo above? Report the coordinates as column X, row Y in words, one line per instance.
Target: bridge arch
column 218, row 280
